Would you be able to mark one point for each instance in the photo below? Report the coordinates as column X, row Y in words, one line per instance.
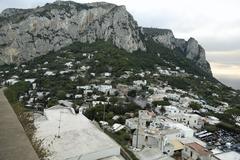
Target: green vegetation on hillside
column 25, row 117
column 105, row 57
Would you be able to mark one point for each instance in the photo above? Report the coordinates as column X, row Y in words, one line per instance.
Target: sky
column 214, row 23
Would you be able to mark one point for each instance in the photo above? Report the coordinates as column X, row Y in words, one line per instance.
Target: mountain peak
column 55, row 25
column 29, row 33
column 191, row 49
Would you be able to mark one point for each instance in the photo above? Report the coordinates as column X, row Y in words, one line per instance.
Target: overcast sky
column 214, row 23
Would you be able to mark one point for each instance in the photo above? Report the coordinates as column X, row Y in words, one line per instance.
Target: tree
column 162, row 110
column 101, row 98
column 52, row 102
column 110, row 115
column 232, row 113
column 211, row 128
column 132, row 93
column 165, row 102
column 195, row 106
column 61, row 94
column 113, row 100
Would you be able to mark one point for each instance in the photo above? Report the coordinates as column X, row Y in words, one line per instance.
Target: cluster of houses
column 176, row 72
column 163, row 136
column 160, row 91
column 156, row 135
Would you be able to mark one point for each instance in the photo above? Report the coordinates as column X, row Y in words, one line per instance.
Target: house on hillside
column 195, row 151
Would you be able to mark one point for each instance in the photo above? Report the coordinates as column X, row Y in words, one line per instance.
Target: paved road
column 14, row 143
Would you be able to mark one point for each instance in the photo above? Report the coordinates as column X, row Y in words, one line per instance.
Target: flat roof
column 178, row 125
column 78, row 135
column 169, row 131
column 151, row 154
column 113, row 158
column 199, row 149
column 177, row 145
column 232, row 155
column 191, row 140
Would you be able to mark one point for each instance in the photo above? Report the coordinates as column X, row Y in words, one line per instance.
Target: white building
column 107, row 74
column 94, row 103
column 117, row 127
column 11, row 81
column 144, row 117
column 174, row 96
column 155, row 138
column 103, row 88
column 84, row 87
column 140, row 82
column 212, row 120
column 173, row 110
column 151, row 154
column 191, row 120
column 69, row 64
column 232, row 155
column 131, row 123
column 30, row 80
column 185, row 131
column 71, row 136
column 49, row 73
column 156, row 97
column 195, row 151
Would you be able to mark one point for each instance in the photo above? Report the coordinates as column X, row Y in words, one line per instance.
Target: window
column 191, row 153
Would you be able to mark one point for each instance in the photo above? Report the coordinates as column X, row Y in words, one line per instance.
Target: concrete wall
column 131, row 124
column 169, row 149
column 191, row 121
column 143, row 140
column 186, row 153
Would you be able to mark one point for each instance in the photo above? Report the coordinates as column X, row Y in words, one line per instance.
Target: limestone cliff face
column 25, row 34
column 28, row 33
column 191, row 49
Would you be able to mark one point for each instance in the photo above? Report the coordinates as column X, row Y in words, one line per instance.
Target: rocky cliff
column 25, row 34
column 28, row 33
column 191, row 49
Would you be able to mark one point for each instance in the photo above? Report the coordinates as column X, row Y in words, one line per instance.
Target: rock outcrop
column 191, row 49
column 25, row 34
column 28, row 33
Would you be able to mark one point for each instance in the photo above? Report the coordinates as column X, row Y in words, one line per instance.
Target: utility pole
column 104, row 112
column 137, row 132
column 59, row 125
